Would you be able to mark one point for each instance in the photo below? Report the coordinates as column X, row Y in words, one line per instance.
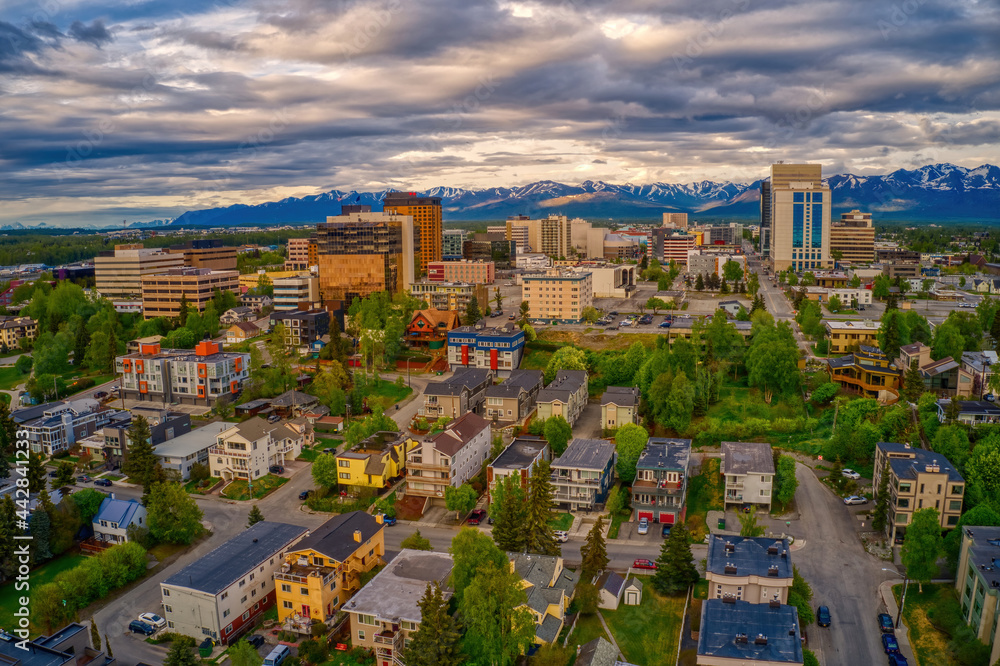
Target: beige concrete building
column 13, row 329
column 854, row 237
column 472, row 272
column 207, row 253
column 748, row 469
column 449, row 458
column 753, row 569
column 450, row 295
column 162, row 292
column 297, row 257
column 611, row 281
column 514, row 398
column 800, row 218
column 675, row 220
column 119, row 273
column 247, row 450
column 297, row 293
column 517, row 230
column 558, row 296
column 978, row 584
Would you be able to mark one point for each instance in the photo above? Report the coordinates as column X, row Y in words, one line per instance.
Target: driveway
column 588, row 424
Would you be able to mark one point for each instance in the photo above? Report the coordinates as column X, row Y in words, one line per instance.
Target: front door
column 305, row 610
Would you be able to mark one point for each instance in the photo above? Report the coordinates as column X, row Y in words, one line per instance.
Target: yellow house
column 324, row 570
column 376, row 461
column 550, row 589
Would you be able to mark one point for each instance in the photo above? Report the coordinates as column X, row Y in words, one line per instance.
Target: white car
column 855, row 499
column 850, row 474
column 561, row 536
column 643, row 525
column 153, row 619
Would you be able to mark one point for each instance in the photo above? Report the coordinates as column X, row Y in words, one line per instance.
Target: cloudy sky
column 142, row 109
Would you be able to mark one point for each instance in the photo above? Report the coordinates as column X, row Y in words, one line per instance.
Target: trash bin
column 205, row 649
column 722, row 523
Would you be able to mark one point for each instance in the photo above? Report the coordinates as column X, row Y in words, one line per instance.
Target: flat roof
column 586, row 454
column 917, row 461
column 393, row 594
column 747, row 458
column 983, row 553
column 752, row 556
column 664, row 453
column 771, row 634
column 520, row 453
column 192, row 442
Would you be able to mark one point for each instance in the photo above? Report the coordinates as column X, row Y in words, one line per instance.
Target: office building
column 360, row 253
column 765, row 218
column 610, row 281
column 248, row 449
column 119, row 273
column 191, row 377
column 297, row 258
column 162, row 292
column 450, row 295
column 584, row 473
column 452, row 241
column 854, row 237
column 978, row 584
column 748, row 470
column 449, row 458
column 666, row 245
column 503, row 253
column 206, row 253
column 675, row 220
column 800, row 218
column 426, row 215
column 496, row 348
column 558, row 296
column 661, row 480
column 722, row 234
column 517, row 229
column 472, row 272
column 295, row 293
column 617, row 246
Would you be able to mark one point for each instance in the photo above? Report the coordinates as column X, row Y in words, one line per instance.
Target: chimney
column 774, row 603
column 773, row 571
column 741, row 638
column 379, row 518
column 112, row 495
column 730, row 547
column 357, row 535
column 773, row 549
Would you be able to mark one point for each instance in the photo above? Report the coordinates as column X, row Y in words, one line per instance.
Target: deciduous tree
column 499, row 626
column 244, row 654
column 470, row 550
column 748, row 524
column 416, row 541
column 630, row 440
column 557, row 433
column 565, row 358
column 180, row 654
column 461, row 499
column 173, row 515
column 324, row 470
column 922, row 546
column 785, row 482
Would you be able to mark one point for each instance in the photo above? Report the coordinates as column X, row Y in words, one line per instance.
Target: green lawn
column 930, row 644
column 386, row 394
column 588, row 627
column 648, row 633
column 562, row 521
column 309, row 455
column 703, row 496
column 10, row 378
column 262, row 487
column 40, row 576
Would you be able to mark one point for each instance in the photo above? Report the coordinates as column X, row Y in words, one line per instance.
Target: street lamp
column 902, row 597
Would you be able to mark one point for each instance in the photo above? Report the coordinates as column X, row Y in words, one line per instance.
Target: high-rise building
column 800, row 218
column 854, row 236
column 298, row 254
column 206, row 253
column 675, row 220
column 162, row 292
column 451, row 244
column 558, row 296
column 119, row 273
column 426, row 215
column 517, row 231
column 765, row 218
column 360, row 253
column 502, row 253
column 553, row 236
column 293, row 293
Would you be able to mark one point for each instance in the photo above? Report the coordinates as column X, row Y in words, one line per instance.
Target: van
column 277, row 656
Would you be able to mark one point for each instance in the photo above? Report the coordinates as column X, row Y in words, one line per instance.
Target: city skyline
column 145, row 111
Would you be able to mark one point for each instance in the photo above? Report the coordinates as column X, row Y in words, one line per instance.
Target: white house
column 115, row 517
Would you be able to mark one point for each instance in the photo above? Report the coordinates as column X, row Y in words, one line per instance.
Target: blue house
column 583, row 474
column 661, row 478
column 496, row 348
column 115, row 517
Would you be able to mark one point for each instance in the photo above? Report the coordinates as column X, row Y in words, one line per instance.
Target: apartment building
column 854, row 237
column 496, row 348
column 549, row 587
column 757, row 570
column 14, row 329
column 302, row 327
column 514, row 398
column 223, row 594
column 247, row 450
column 386, row 611
column 661, row 480
column 162, row 292
column 558, row 296
column 978, row 584
column 666, row 245
column 464, row 391
column 918, row 479
column 503, row 253
column 610, row 281
column 517, row 459
column 452, row 241
column 867, row 372
column 675, row 220
column 844, row 336
column 800, row 218
column 294, row 293
column 182, row 452
column 449, row 458
column 360, row 253
column 207, row 253
column 163, row 425
column 297, row 258
column 119, row 273
column 584, row 474
column 566, row 396
column 748, row 469
column 191, row 377
column 471, row 272
column 323, row 571
column 374, row 462
column 848, row 297
column 69, row 646
column 57, row 426
column 450, row 295
column 426, row 215
column 737, row 633
column 619, row 405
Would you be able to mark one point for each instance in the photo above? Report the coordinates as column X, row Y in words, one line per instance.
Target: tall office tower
column 426, row 214
column 765, row 218
column 361, row 253
column 119, row 273
column 675, row 220
column 451, row 244
column 518, row 230
column 800, row 218
column 854, row 236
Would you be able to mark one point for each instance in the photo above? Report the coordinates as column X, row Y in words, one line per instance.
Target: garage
column 648, row 515
column 667, row 518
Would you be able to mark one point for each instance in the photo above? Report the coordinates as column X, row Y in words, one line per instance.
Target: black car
column 276, row 469
column 102, row 482
column 256, row 640
column 304, row 495
column 646, row 319
column 665, row 530
column 53, row 474
column 613, row 313
column 137, row 627
column 823, row 616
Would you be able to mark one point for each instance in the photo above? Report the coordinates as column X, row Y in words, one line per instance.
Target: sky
column 143, row 109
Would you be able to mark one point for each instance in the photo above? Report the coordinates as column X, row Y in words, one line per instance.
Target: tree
column 107, row 643
column 855, row 281
column 565, row 358
column 880, row 517
column 437, row 639
column 922, row 546
column 948, row 341
column 772, row 360
column 173, row 515
column 834, row 304
column 508, row 510
column 471, row 549
column 324, row 470
column 890, row 334
column 699, row 283
column 753, row 285
column 416, row 542
column 40, row 527
column 913, row 382
column 952, row 442
column 88, row 503
column 655, row 304
column 472, row 312
column 800, row 595
column 557, row 433
column 586, row 597
column 590, row 314
column 184, row 309
column 498, row 299
column 64, row 474
column 500, row 628
column 95, row 635
column 785, row 482
column 836, row 255
column 675, row 570
column 255, row 516
column 594, row 552
column 180, row 654
column 244, row 654
column 732, row 271
column 35, row 473
column 461, row 499
column 748, row 524
column 630, row 440
column 524, row 309
column 141, row 464
column 539, row 537
column 793, row 279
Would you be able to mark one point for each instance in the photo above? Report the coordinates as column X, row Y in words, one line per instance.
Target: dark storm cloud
column 95, row 33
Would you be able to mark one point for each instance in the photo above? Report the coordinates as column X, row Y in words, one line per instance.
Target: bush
column 82, row 384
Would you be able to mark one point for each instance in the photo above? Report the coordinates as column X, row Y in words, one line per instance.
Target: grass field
column 10, row 378
column 930, row 645
column 386, row 394
column 703, row 496
column 562, row 521
column 588, row 627
column 40, row 576
column 237, row 490
column 648, row 633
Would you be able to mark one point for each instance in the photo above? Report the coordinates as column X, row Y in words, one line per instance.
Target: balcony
column 217, row 450
column 430, row 468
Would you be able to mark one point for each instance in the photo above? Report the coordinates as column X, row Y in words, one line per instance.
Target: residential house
column 517, row 459
column 844, row 336
column 191, row 377
column 748, row 469
column 497, row 348
column 181, row 453
column 256, row 302
column 464, row 391
column 449, row 458
column 970, row 412
column 753, row 569
column 916, row 351
column 946, row 378
column 430, row 328
column 223, row 594
column 374, row 462
column 323, row 570
column 661, row 480
column 241, row 331
column 514, row 398
column 69, row 646
column 978, row 584
column 385, row 612
column 247, row 450
column 293, row 403
column 302, row 327
column 235, row 315
column 584, row 473
column 56, row 426
column 566, row 396
column 619, row 405
column 550, row 587
column 258, row 407
column 731, row 308
column 867, row 372
column 163, row 425
column 735, row 633
column 609, row 589
column 980, row 365
column 115, row 516
column 918, row 479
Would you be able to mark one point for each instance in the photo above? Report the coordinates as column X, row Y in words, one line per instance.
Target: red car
column 476, row 517
column 644, row 564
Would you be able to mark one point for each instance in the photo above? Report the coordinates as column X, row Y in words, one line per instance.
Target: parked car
column 890, row 644
column 646, row 319
column 850, row 474
column 273, row 418
column 665, row 530
column 100, row 394
column 388, row 520
column 276, row 469
column 140, row 627
column 83, row 478
column 329, row 450
column 53, row 474
column 153, row 619
column 511, row 318
column 613, row 313
column 304, row 495
column 102, row 482
column 643, row 526
column 665, row 323
column 561, row 536
column 823, row 616
column 886, row 624
column 897, row 660
column 476, row 517
column 856, row 499
column 256, row 640
column 644, row 564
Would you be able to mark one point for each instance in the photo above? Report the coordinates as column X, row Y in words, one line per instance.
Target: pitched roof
column 752, row 556
column 438, row 318
column 747, row 458
column 937, row 367
column 611, row 582
column 983, row 407
column 247, row 327
column 772, row 634
column 548, row 630
column 459, row 432
column 633, row 583
column 566, row 383
column 253, row 429
column 597, row 652
column 586, row 454
column 621, row 395
column 335, row 537
column 120, row 512
column 463, row 380
column 293, row 398
column 519, row 380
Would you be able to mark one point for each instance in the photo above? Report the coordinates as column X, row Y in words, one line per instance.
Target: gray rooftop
column 586, row 454
column 983, row 553
column 519, row 380
column 907, row 462
column 464, row 379
column 35, row 654
column 611, row 582
column 752, row 556
column 772, row 634
column 335, row 537
column 747, row 458
column 597, row 652
column 234, row 559
column 624, row 396
column 394, row 592
column 192, row 442
column 566, row 383
column 664, row 453
column 983, row 407
column 520, row 453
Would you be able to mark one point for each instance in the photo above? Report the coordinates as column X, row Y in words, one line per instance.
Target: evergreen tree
column 472, row 312
column 913, row 382
column 880, row 519
column 112, row 351
column 95, row 636
column 141, row 465
column 995, row 331
column 594, row 552
column 107, row 644
column 675, row 570
column 436, row 641
column 538, row 533
column 8, row 439
column 41, row 532
column 35, row 473
column 80, row 342
column 183, row 310
column 508, row 512
column 180, row 654
column 699, row 283
column 255, row 516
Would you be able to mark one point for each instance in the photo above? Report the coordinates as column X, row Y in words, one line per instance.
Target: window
column 168, row 609
column 286, row 587
column 903, row 503
column 953, row 520
column 343, row 463
column 229, row 629
column 170, row 624
column 955, row 505
column 166, row 592
column 956, row 490
column 225, row 613
column 366, row 619
column 286, row 604
column 303, row 590
column 244, row 599
column 361, row 635
column 345, row 475
column 246, row 616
